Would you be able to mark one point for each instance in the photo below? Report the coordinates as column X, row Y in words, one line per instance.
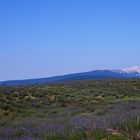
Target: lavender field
column 76, row 110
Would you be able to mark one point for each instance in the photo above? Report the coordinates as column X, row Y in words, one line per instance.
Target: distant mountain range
column 133, row 72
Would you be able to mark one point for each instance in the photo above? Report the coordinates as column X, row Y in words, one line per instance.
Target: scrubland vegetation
column 76, row 110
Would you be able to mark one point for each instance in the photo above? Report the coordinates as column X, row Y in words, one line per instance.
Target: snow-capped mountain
column 132, row 69
column 133, row 72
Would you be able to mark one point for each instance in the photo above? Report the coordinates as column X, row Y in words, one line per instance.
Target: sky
column 43, row 38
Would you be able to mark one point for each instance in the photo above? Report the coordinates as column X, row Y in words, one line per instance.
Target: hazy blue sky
column 41, row 38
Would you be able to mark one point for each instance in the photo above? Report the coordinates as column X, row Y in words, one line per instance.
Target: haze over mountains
column 132, row 72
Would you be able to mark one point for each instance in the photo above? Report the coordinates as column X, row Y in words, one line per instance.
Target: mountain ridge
column 132, row 72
